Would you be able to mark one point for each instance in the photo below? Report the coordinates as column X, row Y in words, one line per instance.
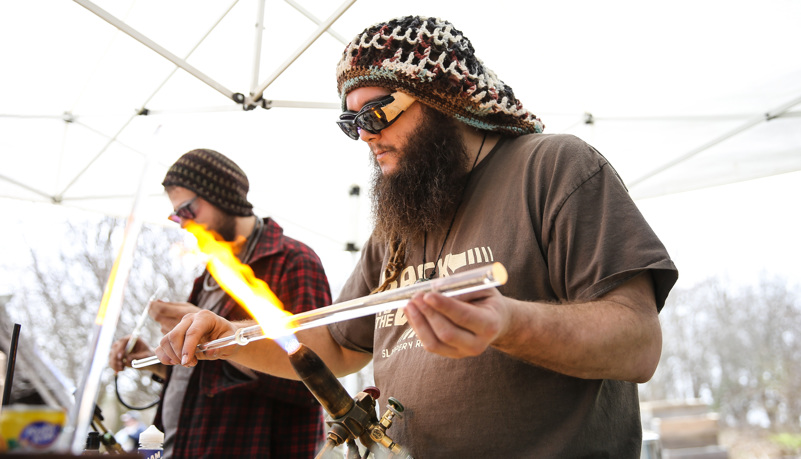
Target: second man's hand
column 168, row 314
column 179, row 345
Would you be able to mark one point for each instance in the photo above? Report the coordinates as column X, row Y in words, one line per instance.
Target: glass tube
column 456, row 284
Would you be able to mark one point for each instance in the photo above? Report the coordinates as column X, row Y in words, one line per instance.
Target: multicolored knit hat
column 214, row 178
column 431, row 60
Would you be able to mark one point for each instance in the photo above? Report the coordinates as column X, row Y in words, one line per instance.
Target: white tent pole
column 314, row 19
column 257, row 45
column 230, row 108
column 22, row 116
column 26, row 187
column 257, row 95
column 106, row 16
column 769, row 115
column 112, row 139
column 302, row 104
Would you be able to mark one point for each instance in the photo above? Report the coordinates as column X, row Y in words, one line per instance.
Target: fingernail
column 184, row 359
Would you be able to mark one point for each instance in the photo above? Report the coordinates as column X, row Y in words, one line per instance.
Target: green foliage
column 790, row 443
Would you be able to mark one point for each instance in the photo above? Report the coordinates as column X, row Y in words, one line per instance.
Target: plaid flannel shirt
column 225, row 413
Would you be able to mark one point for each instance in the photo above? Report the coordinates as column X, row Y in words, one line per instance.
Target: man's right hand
column 179, row 345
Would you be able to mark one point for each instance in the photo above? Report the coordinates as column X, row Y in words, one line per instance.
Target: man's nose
column 368, row 136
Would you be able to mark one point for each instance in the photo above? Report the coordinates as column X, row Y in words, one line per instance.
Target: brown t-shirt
column 554, row 212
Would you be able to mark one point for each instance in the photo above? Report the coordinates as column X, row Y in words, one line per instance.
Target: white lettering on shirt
column 446, row 266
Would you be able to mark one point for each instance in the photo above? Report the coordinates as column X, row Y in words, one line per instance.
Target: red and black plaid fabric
column 226, row 414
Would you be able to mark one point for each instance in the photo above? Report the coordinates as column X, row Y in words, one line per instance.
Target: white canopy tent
column 678, row 95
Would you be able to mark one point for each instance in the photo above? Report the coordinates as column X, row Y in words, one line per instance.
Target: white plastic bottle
column 151, row 443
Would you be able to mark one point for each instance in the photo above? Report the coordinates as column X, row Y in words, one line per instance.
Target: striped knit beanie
column 214, row 178
column 431, row 60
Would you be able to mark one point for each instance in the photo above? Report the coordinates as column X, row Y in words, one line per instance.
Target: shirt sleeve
column 303, row 285
column 597, row 239
column 357, row 334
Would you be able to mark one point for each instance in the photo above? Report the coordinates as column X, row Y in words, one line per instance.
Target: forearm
column 179, row 347
column 614, row 337
column 268, row 357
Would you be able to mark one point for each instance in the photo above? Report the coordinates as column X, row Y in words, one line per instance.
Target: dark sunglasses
column 183, row 212
column 374, row 116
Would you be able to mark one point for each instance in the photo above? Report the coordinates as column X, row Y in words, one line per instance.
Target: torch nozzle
column 322, row 383
column 351, row 418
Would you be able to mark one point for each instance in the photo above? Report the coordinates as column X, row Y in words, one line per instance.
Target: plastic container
column 151, row 443
column 29, row 428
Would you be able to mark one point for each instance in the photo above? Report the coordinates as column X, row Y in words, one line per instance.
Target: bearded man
column 546, row 365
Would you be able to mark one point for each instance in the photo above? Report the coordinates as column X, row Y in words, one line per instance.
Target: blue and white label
column 151, row 453
column 39, row 434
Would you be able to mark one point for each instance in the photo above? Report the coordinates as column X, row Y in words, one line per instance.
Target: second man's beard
column 225, row 226
column 427, row 184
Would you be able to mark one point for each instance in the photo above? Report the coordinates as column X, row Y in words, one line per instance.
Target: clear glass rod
column 456, row 284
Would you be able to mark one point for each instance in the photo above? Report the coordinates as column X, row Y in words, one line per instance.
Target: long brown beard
column 426, row 187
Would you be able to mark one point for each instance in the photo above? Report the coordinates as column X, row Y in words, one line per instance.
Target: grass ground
column 759, row 444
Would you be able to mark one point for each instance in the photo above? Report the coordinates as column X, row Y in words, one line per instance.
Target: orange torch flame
column 238, row 280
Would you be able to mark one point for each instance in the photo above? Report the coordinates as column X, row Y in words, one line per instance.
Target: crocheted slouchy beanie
column 435, row 63
column 214, row 178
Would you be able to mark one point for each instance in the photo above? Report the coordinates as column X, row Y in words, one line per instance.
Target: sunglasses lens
column 184, row 212
column 373, row 120
column 370, row 118
column 347, row 124
column 349, row 128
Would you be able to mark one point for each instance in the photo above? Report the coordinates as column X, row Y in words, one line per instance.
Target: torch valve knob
column 395, row 405
column 372, row 391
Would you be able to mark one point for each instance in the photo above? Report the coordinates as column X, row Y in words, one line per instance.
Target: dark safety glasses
column 183, row 212
column 374, row 116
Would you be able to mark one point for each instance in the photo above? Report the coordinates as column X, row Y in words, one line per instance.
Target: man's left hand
column 458, row 327
column 168, row 314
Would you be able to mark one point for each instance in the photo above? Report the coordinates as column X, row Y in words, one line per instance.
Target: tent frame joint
column 251, row 102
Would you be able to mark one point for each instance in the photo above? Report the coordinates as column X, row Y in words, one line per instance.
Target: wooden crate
column 688, row 431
